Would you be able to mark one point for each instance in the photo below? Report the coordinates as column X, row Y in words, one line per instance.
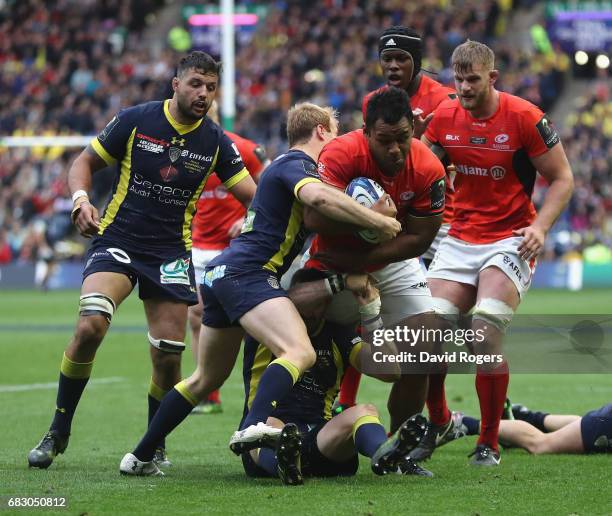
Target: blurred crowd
column 587, row 139
column 67, row 66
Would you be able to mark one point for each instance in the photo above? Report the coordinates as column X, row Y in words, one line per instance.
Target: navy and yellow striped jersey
column 162, row 167
column 273, row 233
column 314, row 393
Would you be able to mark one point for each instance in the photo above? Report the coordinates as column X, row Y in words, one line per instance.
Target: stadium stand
column 56, row 79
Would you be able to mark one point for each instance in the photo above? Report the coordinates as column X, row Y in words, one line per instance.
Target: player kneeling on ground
column 311, row 442
column 540, row 432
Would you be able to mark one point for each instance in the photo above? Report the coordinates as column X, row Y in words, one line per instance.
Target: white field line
column 53, row 385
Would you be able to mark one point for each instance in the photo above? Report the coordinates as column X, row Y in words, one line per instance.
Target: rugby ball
column 366, row 192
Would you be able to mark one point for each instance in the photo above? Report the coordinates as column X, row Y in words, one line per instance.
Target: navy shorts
column 229, row 292
column 314, row 463
column 596, row 429
column 159, row 274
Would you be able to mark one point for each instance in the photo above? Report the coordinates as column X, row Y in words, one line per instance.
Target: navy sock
column 153, row 407
column 267, row 461
column 276, row 381
column 72, row 381
column 69, row 393
column 472, row 424
column 174, row 407
column 368, row 436
column 533, row 418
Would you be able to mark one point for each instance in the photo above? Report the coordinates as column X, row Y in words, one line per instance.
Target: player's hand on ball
column 85, row 218
column 389, row 229
column 385, row 206
column 533, row 241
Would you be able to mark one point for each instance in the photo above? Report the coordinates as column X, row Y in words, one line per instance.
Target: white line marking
column 53, row 385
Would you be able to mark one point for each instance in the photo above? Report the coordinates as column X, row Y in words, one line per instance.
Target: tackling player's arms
column 339, row 206
column 308, row 294
column 317, row 222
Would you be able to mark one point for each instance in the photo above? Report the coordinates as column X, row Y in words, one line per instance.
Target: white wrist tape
column 79, row 193
column 371, row 310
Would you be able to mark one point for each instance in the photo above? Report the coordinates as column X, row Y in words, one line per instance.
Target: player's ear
column 321, row 131
column 175, row 82
column 493, row 76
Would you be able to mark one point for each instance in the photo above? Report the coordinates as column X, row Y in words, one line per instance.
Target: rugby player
column 241, row 288
column 497, row 142
column 400, row 51
column 542, row 433
column 415, row 179
column 163, row 153
column 312, row 443
column 218, row 219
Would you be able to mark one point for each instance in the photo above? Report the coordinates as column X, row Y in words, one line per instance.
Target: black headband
column 410, row 44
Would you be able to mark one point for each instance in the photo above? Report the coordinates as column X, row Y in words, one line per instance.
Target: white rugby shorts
column 442, row 232
column 460, row 261
column 201, row 258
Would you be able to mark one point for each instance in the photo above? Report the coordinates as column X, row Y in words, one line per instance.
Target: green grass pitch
column 208, row 478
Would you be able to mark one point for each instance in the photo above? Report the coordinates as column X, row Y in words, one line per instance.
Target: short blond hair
column 466, row 55
column 303, row 118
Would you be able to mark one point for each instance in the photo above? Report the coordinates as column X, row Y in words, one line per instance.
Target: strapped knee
column 97, row 304
column 494, row 312
column 447, row 310
column 167, row 345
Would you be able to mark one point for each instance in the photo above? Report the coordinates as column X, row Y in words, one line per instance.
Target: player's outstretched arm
column 555, row 168
column 316, row 222
column 84, row 214
column 335, row 204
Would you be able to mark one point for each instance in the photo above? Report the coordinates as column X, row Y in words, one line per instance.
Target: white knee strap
column 95, row 303
column 169, row 346
column 446, row 309
column 494, row 312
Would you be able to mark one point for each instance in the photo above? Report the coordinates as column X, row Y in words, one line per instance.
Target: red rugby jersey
column 425, row 100
column 217, row 209
column 495, row 177
column 415, row 190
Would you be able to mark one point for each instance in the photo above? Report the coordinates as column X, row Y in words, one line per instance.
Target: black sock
column 368, row 435
column 267, row 461
column 72, row 381
column 156, row 394
column 175, row 407
column 276, row 381
column 533, row 418
column 472, row 424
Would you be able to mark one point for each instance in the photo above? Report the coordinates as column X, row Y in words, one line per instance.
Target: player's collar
column 180, row 128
